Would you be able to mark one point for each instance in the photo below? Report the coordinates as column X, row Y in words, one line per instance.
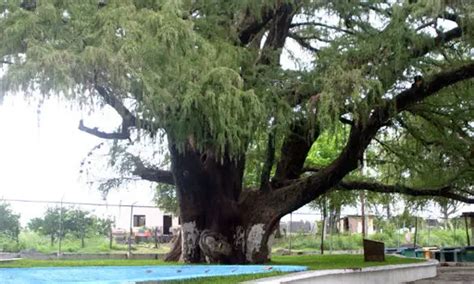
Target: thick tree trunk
column 213, row 226
column 175, row 253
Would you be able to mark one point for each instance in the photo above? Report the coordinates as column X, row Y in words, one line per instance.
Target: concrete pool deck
column 387, row 274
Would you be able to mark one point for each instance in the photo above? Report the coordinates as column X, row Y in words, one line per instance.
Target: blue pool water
column 130, row 274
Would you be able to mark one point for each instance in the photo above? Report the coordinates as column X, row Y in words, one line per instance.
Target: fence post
column 467, row 231
column 131, row 232
column 289, row 231
column 60, row 227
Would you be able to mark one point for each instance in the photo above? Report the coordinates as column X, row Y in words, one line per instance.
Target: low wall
column 388, row 274
column 8, row 255
column 90, row 256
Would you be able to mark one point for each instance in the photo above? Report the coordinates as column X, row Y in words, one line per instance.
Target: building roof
column 357, row 216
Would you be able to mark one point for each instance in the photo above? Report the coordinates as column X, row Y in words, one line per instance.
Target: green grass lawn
column 313, row 262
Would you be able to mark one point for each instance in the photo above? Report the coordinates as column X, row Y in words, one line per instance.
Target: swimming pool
column 130, row 274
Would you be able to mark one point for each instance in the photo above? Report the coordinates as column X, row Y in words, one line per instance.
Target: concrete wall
column 90, row 256
column 8, row 255
column 389, row 274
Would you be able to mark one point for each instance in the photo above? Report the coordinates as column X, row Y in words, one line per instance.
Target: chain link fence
column 65, row 227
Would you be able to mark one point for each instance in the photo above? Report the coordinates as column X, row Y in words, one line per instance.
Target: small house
column 353, row 224
column 141, row 217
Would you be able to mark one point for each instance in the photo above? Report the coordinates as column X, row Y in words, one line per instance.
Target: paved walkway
column 451, row 275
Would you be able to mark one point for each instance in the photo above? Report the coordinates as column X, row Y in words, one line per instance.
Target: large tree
column 204, row 78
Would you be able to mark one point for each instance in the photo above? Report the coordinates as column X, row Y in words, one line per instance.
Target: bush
column 391, row 238
column 7, row 244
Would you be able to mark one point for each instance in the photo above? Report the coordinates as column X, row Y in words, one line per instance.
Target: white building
column 353, row 224
column 139, row 217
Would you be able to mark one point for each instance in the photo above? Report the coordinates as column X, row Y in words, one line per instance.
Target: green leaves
column 59, row 222
column 9, row 222
column 166, row 199
column 220, row 115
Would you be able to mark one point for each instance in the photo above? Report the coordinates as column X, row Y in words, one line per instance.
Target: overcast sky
column 40, row 156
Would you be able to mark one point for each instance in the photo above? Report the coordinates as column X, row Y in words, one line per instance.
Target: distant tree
column 9, row 222
column 59, row 222
column 165, row 198
column 79, row 224
column 52, row 223
column 323, row 151
column 103, row 227
column 448, row 208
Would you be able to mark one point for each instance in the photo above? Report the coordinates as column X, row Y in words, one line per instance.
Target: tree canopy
column 58, row 222
column 9, row 222
column 384, row 84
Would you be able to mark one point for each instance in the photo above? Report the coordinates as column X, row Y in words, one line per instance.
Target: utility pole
column 362, row 201
column 131, row 231
column 398, row 233
column 111, row 235
column 289, row 232
column 467, row 231
column 416, row 232
column 362, row 197
column 60, row 228
column 323, row 225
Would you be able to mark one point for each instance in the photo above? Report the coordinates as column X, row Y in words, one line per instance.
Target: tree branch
column 269, row 161
column 303, row 43
column 116, row 104
column 311, row 169
column 303, row 190
column 124, row 134
column 437, row 82
column 416, row 94
column 450, row 16
column 339, row 29
column 128, row 119
column 294, row 150
column 278, row 30
column 437, row 41
column 250, row 26
column 432, row 22
column 152, row 174
column 383, row 188
column 346, row 121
